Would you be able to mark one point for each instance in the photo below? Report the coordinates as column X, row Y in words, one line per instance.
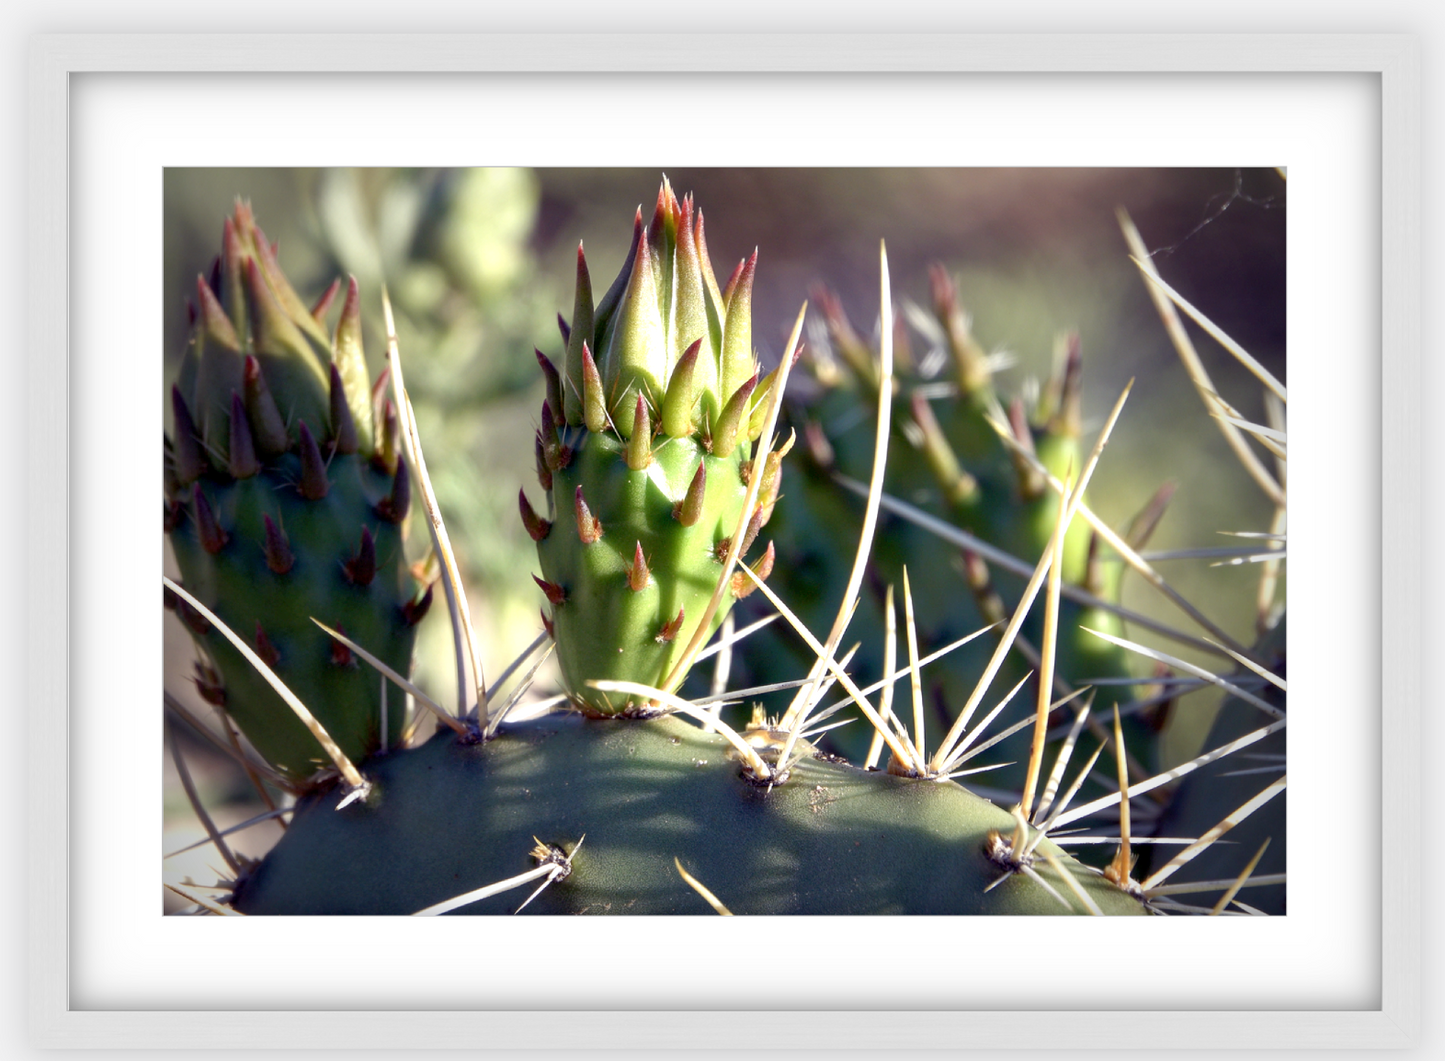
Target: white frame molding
column 55, row 60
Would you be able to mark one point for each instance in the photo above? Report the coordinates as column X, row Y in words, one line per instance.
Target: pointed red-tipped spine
column 742, row 585
column 361, row 568
column 193, row 619
column 324, row 303
column 608, row 306
column 682, row 394
column 313, row 484
column 580, row 331
column 279, row 557
column 750, row 534
column 558, row 456
column 689, row 510
column 1031, row 482
column 241, row 459
column 670, row 629
column 589, row 527
column 388, row 445
column 394, row 507
column 208, row 684
column 215, row 322
column 268, row 430
column 594, row 401
column 731, row 285
column 413, row 611
column 343, row 425
column 208, row 529
column 214, row 276
column 548, row 625
column 638, row 576
column 379, row 394
column 272, row 332
column 190, row 457
column 1141, row 527
column 537, row 527
column 1068, row 418
column 726, row 433
column 639, row 446
column 554, row 385
column 959, row 487
column 735, row 360
column 555, row 593
column 544, row 473
column 265, row 649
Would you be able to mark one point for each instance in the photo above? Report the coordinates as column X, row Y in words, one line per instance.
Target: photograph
column 724, row 541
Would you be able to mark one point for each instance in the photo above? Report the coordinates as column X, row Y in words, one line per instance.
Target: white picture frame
column 57, row 61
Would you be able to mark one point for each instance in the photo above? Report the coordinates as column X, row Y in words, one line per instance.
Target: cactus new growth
column 643, row 450
column 287, row 481
column 285, row 499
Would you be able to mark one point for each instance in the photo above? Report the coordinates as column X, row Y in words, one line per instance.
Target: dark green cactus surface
column 450, row 817
column 286, row 500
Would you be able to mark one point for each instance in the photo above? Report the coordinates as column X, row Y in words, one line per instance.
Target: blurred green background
column 479, row 262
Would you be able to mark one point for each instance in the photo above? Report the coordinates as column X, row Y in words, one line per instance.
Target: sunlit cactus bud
column 661, row 406
column 288, row 499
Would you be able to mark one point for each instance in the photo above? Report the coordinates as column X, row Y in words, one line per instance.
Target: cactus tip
column 279, row 557
column 589, row 527
column 556, row 595
column 208, row 529
column 361, row 569
column 313, row 483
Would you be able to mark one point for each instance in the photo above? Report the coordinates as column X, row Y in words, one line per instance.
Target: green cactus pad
column 448, row 817
column 285, row 501
column 240, row 586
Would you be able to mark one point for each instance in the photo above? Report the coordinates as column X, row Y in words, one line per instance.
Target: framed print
column 117, row 122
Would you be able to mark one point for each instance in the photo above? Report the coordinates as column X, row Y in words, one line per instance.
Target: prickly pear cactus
column 644, row 453
column 448, row 817
column 947, row 461
column 285, row 499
